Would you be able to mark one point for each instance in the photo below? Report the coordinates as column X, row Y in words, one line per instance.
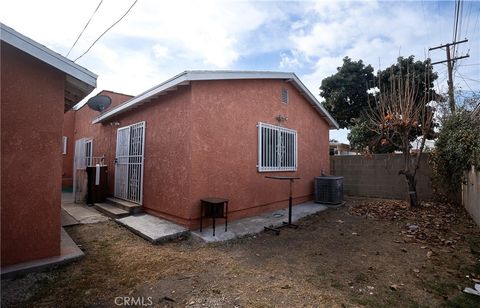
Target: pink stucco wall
column 32, row 107
column 167, row 180
column 103, row 135
column 201, row 140
column 225, row 144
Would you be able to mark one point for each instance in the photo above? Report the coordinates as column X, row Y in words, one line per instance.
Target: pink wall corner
column 167, row 153
column 167, row 150
column 32, row 104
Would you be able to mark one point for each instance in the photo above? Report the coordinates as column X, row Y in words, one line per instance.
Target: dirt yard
column 370, row 252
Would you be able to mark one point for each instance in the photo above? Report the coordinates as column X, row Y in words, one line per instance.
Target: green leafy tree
column 345, row 92
column 419, row 73
column 362, row 137
column 347, row 99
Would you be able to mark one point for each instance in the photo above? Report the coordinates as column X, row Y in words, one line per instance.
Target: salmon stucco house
column 37, row 87
column 210, row 133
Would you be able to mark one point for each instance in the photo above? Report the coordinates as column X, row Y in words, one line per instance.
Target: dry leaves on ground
column 430, row 223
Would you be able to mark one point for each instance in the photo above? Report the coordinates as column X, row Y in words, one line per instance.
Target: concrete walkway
column 82, row 213
column 151, row 228
column 68, row 220
column 69, row 252
column 71, row 214
column 253, row 225
column 157, row 230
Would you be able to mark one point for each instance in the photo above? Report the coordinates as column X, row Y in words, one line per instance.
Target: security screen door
column 129, row 162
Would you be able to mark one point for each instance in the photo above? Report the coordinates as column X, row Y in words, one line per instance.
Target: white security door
column 129, row 162
column 81, row 159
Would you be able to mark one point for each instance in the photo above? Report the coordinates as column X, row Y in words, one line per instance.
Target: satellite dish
column 99, row 102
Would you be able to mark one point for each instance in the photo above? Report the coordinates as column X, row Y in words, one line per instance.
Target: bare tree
column 400, row 112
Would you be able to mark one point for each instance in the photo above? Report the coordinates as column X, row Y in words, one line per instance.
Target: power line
column 472, row 64
column 113, row 25
column 455, row 22
column 461, row 76
column 457, row 27
column 467, row 19
column 88, row 22
column 474, row 80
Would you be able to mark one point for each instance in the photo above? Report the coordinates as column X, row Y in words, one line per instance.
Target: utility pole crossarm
column 449, row 44
column 450, row 62
column 457, row 58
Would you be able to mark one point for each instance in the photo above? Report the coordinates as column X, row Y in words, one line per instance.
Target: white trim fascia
column 316, row 104
column 46, row 55
column 173, row 82
column 235, row 75
column 187, row 76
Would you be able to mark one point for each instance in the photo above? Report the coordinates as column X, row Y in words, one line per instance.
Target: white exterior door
column 81, row 159
column 129, row 162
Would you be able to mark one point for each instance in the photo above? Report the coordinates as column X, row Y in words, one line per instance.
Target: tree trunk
column 412, row 189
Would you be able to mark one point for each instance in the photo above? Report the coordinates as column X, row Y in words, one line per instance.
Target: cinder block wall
column 377, row 176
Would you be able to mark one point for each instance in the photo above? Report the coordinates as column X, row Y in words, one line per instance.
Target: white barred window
column 277, row 148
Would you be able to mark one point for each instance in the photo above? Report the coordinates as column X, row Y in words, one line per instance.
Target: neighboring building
column 210, row 133
column 81, row 117
column 38, row 86
column 337, row 148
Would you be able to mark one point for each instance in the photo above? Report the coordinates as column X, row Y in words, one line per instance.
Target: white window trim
column 65, row 140
column 261, row 149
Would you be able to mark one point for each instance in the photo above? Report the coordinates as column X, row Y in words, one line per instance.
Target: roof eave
column 188, row 76
column 48, row 56
column 315, row 103
column 147, row 95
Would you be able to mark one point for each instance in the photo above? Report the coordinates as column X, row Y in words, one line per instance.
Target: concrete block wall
column 471, row 194
column 377, row 176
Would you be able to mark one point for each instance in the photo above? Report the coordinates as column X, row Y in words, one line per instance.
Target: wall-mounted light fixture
column 281, row 118
column 114, row 123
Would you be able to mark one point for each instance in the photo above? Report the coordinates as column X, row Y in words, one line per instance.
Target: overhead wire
column 108, row 29
column 85, row 27
column 461, row 76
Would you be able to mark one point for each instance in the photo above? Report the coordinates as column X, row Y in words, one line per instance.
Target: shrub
column 456, row 150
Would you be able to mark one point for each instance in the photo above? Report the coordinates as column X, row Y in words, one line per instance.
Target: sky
column 159, row 39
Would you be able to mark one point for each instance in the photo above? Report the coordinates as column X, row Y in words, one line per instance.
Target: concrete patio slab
column 253, row 225
column 69, row 252
column 67, row 197
column 151, row 228
column 68, row 220
column 83, row 214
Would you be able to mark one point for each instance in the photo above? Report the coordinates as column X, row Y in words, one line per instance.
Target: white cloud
column 289, row 61
column 208, row 31
column 160, row 51
column 376, row 32
column 159, row 39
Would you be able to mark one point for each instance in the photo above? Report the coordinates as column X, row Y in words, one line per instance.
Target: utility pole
column 450, row 63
